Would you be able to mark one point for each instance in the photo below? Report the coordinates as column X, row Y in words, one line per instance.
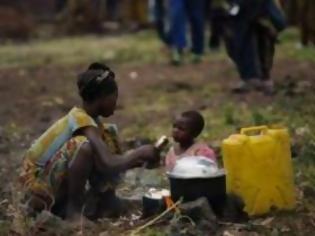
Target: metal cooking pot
column 153, row 201
column 195, row 177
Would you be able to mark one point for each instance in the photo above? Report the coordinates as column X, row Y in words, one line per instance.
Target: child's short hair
column 98, row 80
column 196, row 122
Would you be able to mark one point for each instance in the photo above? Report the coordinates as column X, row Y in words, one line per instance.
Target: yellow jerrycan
column 259, row 169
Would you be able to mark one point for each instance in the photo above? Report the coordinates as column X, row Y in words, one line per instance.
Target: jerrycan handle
column 262, row 129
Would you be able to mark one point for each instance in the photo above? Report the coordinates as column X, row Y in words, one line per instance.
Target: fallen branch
column 151, row 222
column 233, row 224
column 249, row 224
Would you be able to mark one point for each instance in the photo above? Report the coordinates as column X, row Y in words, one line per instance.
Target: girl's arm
column 108, row 162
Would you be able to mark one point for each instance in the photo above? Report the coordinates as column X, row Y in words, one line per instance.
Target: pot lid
column 195, row 167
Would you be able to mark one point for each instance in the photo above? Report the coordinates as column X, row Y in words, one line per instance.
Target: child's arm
column 108, row 162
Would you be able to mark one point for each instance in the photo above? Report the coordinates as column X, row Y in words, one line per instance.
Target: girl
column 186, row 128
column 78, row 149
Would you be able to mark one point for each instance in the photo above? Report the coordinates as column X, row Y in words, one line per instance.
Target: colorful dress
column 46, row 163
column 197, row 149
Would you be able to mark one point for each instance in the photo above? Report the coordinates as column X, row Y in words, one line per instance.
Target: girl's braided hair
column 98, row 80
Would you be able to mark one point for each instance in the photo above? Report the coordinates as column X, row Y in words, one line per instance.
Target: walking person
column 254, row 27
column 181, row 12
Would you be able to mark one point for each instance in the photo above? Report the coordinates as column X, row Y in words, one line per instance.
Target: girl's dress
column 46, row 163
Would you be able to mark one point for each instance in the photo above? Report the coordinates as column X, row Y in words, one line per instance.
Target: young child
column 186, row 128
column 78, row 149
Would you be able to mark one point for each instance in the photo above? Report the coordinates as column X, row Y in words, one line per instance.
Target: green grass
column 291, row 49
column 69, row 51
column 139, row 48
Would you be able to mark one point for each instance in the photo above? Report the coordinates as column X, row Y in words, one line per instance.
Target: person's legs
column 61, row 180
column 177, row 34
column 304, row 24
column 60, row 5
column 266, row 49
column 103, row 204
column 247, row 57
column 216, row 24
column 112, row 9
column 196, row 14
column 242, row 48
column 78, row 174
column 101, row 197
column 245, row 52
column 160, row 15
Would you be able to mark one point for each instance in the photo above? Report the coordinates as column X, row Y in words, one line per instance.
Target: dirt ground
column 33, row 97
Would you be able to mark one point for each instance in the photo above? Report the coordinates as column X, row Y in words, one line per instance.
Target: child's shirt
column 197, row 149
